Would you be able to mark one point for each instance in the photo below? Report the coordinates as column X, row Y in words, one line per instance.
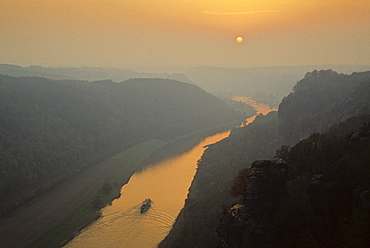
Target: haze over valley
column 265, row 84
column 184, row 124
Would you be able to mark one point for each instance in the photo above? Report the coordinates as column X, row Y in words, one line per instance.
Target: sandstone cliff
column 249, row 223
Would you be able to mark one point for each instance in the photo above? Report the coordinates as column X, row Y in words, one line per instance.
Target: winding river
column 166, row 184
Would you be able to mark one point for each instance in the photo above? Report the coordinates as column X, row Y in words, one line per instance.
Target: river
column 166, row 184
column 261, row 108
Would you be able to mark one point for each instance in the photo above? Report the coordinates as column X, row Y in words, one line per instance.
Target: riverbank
column 88, row 211
column 58, row 215
column 36, row 217
column 183, row 144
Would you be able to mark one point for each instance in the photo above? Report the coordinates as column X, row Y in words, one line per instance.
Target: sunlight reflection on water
column 167, row 184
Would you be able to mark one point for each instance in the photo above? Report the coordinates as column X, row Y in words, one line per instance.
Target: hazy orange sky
column 156, row 33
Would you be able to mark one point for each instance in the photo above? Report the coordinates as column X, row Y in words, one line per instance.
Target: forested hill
column 322, row 101
column 49, row 127
column 264, row 84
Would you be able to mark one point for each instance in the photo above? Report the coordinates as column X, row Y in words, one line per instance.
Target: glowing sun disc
column 239, row 39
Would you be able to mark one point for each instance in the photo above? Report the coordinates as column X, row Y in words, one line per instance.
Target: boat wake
column 138, row 229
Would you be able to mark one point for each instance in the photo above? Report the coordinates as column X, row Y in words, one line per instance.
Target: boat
column 147, row 203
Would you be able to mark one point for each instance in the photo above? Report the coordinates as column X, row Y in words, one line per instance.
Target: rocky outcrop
column 361, row 199
column 249, row 224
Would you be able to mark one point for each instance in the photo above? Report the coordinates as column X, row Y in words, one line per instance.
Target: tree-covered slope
column 51, row 129
column 210, row 190
column 305, row 111
column 329, row 199
column 321, row 99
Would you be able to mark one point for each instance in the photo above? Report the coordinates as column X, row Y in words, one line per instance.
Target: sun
column 239, row 39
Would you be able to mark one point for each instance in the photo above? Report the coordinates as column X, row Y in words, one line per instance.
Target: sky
column 184, row 33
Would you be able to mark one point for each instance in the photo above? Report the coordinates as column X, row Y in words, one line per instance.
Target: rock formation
column 249, row 224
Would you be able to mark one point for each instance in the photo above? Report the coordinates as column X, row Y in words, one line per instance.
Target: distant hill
column 264, row 84
column 85, row 73
column 50, row 129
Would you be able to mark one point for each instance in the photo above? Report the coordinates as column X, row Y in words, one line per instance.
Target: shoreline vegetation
column 89, row 211
column 57, row 135
column 52, row 130
column 135, row 158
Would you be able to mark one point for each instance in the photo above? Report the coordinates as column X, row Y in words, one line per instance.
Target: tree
column 240, row 183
